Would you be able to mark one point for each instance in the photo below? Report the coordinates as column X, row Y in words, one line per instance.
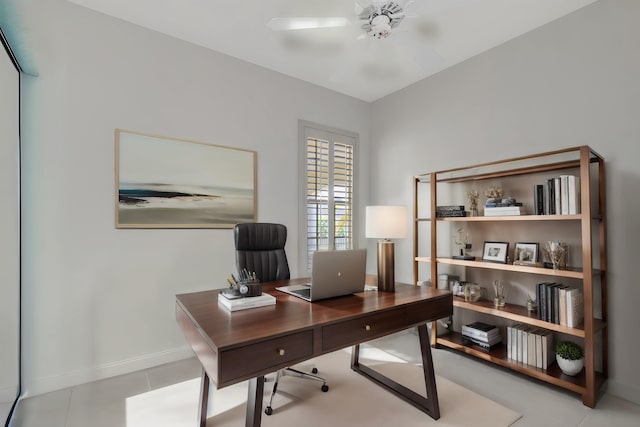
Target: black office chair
column 260, row 249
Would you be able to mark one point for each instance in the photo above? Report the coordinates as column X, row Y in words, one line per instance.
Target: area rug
column 354, row 400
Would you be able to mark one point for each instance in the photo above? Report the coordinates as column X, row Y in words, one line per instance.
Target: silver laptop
column 333, row 274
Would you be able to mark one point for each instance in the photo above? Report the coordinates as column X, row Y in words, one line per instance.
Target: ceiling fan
column 378, row 19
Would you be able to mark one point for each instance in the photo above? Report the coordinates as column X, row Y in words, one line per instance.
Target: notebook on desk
column 333, row 274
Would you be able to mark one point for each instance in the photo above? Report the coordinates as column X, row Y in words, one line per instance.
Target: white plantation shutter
column 328, row 192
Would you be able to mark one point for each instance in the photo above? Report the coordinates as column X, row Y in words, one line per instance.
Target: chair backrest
column 260, row 248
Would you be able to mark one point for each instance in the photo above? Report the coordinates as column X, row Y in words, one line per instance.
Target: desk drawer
column 362, row 329
column 264, row 357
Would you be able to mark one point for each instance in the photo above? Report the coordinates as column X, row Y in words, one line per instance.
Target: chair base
column 295, row 372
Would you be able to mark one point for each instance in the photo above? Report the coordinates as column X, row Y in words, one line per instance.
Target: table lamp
column 384, row 223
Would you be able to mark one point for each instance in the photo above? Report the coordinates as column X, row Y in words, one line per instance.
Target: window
column 327, row 190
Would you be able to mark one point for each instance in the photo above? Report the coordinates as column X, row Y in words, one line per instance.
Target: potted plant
column 570, row 357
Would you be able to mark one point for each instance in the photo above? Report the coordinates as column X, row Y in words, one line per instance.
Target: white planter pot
column 570, row 367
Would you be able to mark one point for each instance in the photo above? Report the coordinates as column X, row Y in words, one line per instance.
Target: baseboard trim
column 624, row 391
column 43, row 385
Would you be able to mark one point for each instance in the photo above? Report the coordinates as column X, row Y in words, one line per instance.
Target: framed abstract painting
column 165, row 182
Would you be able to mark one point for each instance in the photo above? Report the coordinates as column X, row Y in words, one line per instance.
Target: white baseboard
column 624, row 391
column 36, row 386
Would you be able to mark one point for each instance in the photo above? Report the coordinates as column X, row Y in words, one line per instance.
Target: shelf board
column 518, row 313
column 512, row 218
column 574, row 273
column 498, row 355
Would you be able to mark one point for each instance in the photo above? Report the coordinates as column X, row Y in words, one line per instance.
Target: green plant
column 569, row 350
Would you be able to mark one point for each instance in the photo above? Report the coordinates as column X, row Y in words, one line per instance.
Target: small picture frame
column 495, row 252
column 526, row 253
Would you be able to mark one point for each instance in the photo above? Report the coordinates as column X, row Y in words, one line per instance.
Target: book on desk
column 246, row 302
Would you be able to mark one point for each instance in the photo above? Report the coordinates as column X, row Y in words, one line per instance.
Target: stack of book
column 235, row 304
column 558, row 196
column 560, row 304
column 503, row 207
column 450, row 211
column 530, row 345
column 482, row 334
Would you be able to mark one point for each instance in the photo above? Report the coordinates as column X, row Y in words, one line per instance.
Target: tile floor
column 112, row 402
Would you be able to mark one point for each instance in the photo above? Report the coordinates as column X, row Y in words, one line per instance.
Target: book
column 575, row 308
column 450, row 208
column 538, row 199
column 514, row 340
column 551, row 191
column 450, row 213
column 504, row 210
column 502, row 204
column 480, row 330
column 487, row 345
column 247, row 302
column 557, row 190
column 480, row 336
column 562, row 303
column 574, row 195
column 524, row 341
column 538, row 356
column 531, row 347
column 564, row 194
column 547, row 348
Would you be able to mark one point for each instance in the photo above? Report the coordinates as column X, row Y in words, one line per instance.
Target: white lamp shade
column 386, row 222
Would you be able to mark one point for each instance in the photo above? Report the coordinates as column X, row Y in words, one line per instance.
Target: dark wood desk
column 247, row 344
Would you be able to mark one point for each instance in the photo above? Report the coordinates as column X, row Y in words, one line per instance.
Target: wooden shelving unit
column 591, row 223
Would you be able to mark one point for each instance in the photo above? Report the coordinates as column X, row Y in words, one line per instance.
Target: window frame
column 333, row 135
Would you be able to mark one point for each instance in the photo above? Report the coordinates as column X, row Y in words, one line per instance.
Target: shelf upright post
column 588, row 398
column 416, row 183
column 434, row 245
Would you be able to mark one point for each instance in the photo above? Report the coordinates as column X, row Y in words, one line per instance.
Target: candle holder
column 498, row 288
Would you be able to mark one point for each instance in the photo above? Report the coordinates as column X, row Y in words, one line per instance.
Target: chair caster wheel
column 324, row 388
column 314, row 371
column 268, row 410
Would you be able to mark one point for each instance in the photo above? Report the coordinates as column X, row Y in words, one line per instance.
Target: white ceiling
column 437, row 35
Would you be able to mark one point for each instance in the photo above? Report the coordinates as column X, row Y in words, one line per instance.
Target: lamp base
column 386, row 266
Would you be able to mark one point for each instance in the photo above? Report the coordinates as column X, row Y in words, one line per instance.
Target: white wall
column 99, row 301
column 572, row 82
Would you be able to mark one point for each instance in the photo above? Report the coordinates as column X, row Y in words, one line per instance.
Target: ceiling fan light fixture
column 304, row 23
column 380, row 27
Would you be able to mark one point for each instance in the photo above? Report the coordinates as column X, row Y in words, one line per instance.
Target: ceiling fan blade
column 303, row 23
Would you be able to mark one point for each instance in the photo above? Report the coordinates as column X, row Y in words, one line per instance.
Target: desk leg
column 428, row 404
column 204, row 398
column 254, row 402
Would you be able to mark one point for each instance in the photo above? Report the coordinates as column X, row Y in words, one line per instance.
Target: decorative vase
column 570, row 367
column 472, row 292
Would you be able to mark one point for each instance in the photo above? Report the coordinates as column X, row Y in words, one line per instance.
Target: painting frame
column 166, row 182
column 495, row 252
column 526, row 253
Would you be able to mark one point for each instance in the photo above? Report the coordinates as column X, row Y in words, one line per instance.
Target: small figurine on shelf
column 462, row 239
column 473, row 196
column 494, row 193
column 531, row 304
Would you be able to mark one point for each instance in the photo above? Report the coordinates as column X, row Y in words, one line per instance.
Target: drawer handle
column 281, row 351
column 367, row 327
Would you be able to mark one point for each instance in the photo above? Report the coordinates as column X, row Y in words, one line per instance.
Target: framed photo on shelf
column 526, row 253
column 495, row 252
